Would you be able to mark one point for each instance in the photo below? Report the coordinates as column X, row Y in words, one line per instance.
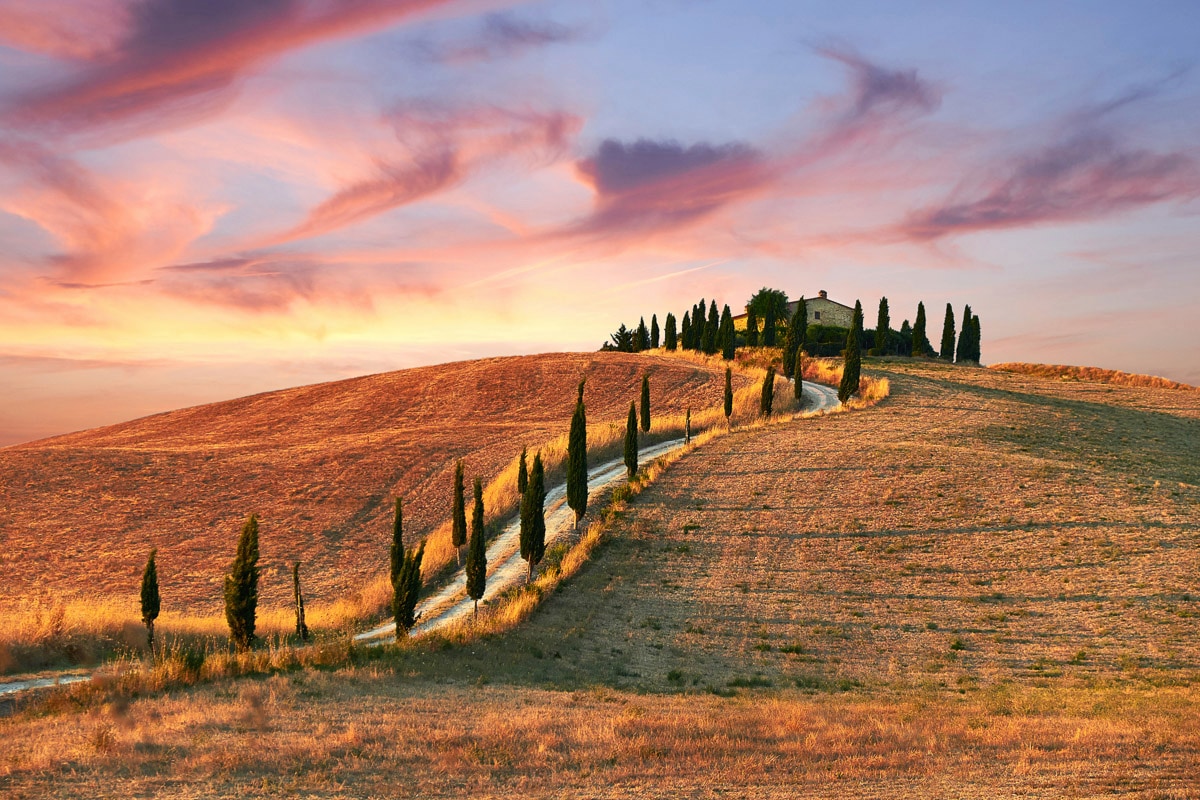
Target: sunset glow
column 200, row 200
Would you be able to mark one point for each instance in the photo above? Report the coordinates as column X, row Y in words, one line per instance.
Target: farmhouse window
column 816, row 315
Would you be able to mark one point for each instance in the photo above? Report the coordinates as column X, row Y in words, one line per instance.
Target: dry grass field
column 318, row 464
column 988, row 585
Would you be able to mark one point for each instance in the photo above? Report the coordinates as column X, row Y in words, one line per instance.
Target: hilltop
column 320, row 466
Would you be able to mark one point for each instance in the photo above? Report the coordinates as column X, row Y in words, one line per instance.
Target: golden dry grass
column 1064, row 372
column 973, row 589
column 318, row 464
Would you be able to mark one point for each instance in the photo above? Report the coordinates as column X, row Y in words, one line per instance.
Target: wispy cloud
column 498, row 36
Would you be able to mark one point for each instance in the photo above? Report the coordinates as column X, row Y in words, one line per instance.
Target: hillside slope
column 318, row 464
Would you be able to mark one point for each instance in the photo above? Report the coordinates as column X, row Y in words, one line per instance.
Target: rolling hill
column 318, row 464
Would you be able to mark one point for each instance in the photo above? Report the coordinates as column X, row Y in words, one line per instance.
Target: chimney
column 822, row 295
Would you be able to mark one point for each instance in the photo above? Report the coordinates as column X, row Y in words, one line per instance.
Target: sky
column 202, row 199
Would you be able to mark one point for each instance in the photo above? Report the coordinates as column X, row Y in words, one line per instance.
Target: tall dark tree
column 964, row 339
column 852, row 363
column 727, row 335
column 794, row 339
column 654, row 335
column 883, row 326
column 151, row 602
column 241, row 587
column 798, row 376
column 396, row 552
column 645, row 404
column 298, row 599
column 631, row 442
column 920, row 341
column 764, row 300
column 687, row 427
column 769, row 324
column 641, row 337
column 670, row 335
column 477, row 549
column 728, row 393
column 685, row 332
column 711, row 330
column 533, row 517
column 406, row 589
column 622, row 340
column 577, row 489
column 751, row 328
column 458, row 514
column 905, row 343
column 522, row 473
column 767, row 401
column 946, row 350
column 857, row 321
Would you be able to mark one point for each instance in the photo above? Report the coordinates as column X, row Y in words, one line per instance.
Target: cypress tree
column 631, row 442
column 406, row 589
column 794, row 339
column 522, row 473
column 728, row 393
column 976, row 354
column 476, row 549
column 645, row 403
column 685, row 332
column 768, row 332
column 964, row 339
column 670, row 337
column 241, row 587
column 577, row 490
column 641, row 337
column 768, row 393
column 533, row 519
column 458, row 514
column 857, row 322
column 654, row 331
column 920, row 342
column 946, row 351
column 853, row 359
column 711, row 330
column 727, row 335
column 883, row 324
column 151, row 602
column 798, row 376
column 396, row 552
column 298, row 597
column 751, row 328
column 687, row 427
column 905, row 339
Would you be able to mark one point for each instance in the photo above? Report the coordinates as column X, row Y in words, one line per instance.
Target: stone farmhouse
column 821, row 311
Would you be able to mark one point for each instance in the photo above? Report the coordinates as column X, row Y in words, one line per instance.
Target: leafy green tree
column 768, row 393
column 711, row 331
column 751, row 329
column 852, row 362
column 151, row 602
column 533, row 517
column 964, row 339
column 920, row 341
column 622, row 340
column 670, row 336
column 883, row 324
column 477, row 549
column 458, row 514
column 728, row 393
column 241, row 587
column 577, row 490
column 654, row 335
column 522, row 473
column 769, row 300
column 685, row 332
column 641, row 336
column 631, row 442
column 798, row 376
column 406, row 588
column 946, row 351
column 727, row 335
column 794, row 340
column 298, row 599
